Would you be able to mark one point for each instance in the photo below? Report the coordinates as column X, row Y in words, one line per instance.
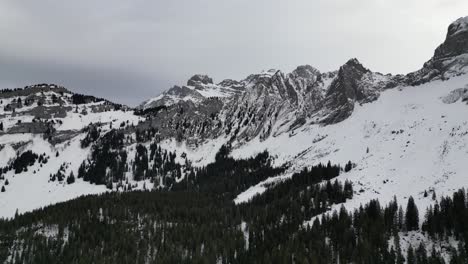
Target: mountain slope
column 408, row 141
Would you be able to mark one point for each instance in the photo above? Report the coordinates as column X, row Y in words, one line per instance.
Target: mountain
column 301, row 117
column 406, row 135
column 400, row 135
column 198, row 88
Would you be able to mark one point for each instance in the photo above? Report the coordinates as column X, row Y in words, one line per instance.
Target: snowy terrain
column 406, row 142
column 33, row 189
column 30, row 190
column 410, row 140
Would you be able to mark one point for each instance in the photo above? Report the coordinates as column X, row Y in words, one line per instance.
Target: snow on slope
column 213, row 90
column 78, row 121
column 201, row 156
column 170, row 99
column 28, row 191
column 416, row 142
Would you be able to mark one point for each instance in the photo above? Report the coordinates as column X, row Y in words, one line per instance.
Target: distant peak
column 270, row 72
column 355, row 64
column 306, row 71
column 458, row 26
column 198, row 79
column 353, row 61
column 456, row 42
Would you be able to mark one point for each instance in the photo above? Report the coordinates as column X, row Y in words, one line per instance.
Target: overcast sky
column 130, row 50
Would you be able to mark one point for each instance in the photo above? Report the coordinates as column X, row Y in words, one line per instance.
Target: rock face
column 199, row 79
column 199, row 87
column 456, row 42
column 186, row 121
column 266, row 104
column 450, row 58
column 173, row 96
column 354, row 84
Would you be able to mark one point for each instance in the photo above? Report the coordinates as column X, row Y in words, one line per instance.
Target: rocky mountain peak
column 450, row 58
column 306, row 72
column 458, row 26
column 179, row 91
column 356, row 65
column 456, row 42
column 348, row 75
column 199, row 79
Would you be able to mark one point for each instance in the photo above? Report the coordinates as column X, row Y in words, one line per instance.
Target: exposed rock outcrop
column 450, row 58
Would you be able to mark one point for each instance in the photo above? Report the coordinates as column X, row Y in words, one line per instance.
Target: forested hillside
column 196, row 221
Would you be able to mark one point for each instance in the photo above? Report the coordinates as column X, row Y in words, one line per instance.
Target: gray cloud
column 131, row 50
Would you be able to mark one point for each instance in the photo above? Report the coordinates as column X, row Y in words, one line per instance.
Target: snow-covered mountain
column 198, row 88
column 406, row 133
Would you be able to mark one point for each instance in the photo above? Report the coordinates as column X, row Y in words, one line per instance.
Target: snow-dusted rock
column 450, row 58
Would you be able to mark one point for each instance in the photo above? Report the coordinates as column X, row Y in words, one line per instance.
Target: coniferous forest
column 196, row 221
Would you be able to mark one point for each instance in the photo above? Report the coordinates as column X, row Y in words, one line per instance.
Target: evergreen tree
column 421, row 254
column 412, row 215
column 410, row 257
column 71, row 178
column 348, row 166
column 401, row 219
column 3, row 188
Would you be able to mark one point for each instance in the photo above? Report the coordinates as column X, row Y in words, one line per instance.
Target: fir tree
column 71, row 178
column 410, row 257
column 412, row 215
column 421, row 255
column 348, row 166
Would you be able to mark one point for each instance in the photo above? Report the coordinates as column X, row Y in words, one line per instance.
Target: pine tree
column 71, row 178
column 412, row 215
column 348, row 166
column 421, row 254
column 401, row 218
column 1, row 126
column 3, row 188
column 411, row 258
